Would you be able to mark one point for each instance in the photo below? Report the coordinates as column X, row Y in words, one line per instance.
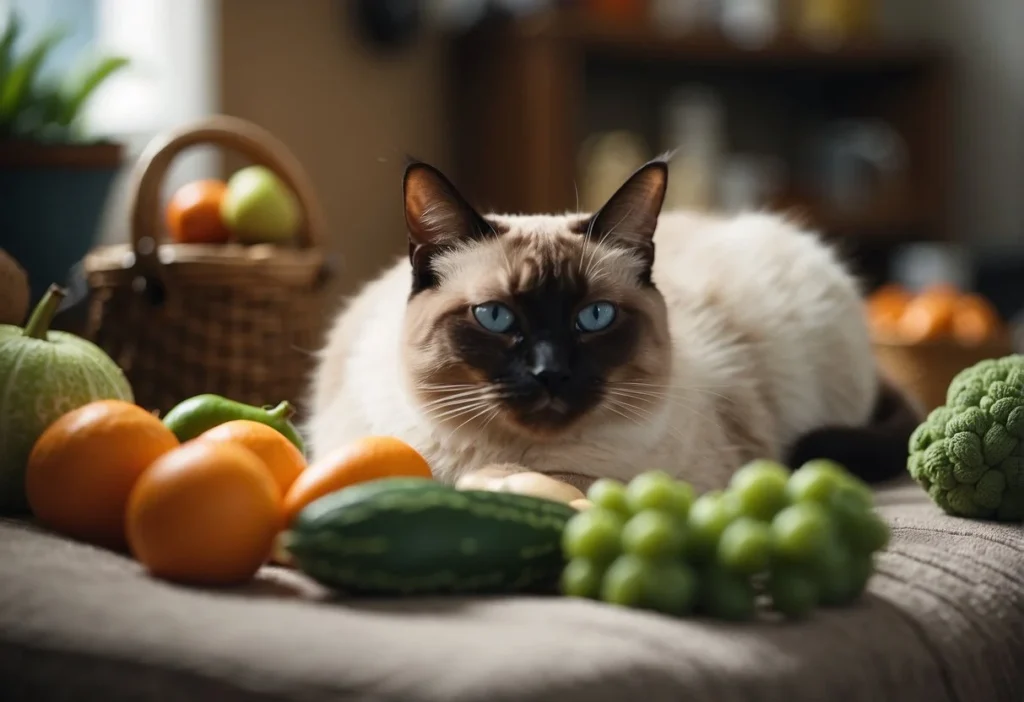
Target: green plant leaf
column 10, row 35
column 79, row 91
column 38, row 115
column 18, row 84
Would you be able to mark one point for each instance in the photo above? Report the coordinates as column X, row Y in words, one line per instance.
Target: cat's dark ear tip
column 660, row 162
column 665, row 157
column 418, row 174
column 411, row 164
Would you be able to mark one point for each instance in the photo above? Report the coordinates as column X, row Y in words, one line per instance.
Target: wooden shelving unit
column 527, row 94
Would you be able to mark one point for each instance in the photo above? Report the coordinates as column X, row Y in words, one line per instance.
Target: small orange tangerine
column 281, row 456
column 83, row 468
column 206, row 513
column 365, row 459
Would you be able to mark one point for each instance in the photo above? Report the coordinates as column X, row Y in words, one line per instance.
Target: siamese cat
column 608, row 344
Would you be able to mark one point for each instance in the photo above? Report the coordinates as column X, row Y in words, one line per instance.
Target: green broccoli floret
column 969, row 453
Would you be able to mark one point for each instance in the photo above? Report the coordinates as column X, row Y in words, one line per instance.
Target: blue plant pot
column 53, row 198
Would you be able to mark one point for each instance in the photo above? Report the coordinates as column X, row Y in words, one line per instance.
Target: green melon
column 43, row 375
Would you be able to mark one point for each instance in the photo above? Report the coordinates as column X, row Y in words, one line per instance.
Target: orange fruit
column 927, row 317
column 204, row 514
column 83, row 468
column 370, row 458
column 193, row 213
column 975, row 320
column 887, row 296
column 885, row 307
column 281, row 456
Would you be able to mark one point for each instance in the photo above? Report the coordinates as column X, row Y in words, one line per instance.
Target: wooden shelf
column 645, row 41
column 527, row 95
column 889, row 225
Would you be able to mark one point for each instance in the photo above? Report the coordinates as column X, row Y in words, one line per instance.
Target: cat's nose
column 549, row 367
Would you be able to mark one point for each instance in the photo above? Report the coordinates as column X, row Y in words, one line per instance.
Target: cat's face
column 533, row 324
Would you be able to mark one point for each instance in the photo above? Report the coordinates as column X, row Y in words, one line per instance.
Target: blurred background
column 895, row 127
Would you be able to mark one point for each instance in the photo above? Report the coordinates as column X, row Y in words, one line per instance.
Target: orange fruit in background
column 83, row 467
column 975, row 320
column 206, row 513
column 370, row 458
column 927, row 317
column 282, row 457
column 888, row 296
column 885, row 307
column 193, row 213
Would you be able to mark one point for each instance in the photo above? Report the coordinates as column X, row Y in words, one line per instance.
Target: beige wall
column 296, row 68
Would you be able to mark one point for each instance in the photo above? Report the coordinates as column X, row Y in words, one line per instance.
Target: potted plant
column 55, row 180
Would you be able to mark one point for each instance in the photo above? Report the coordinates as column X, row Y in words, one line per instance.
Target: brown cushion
column 944, row 620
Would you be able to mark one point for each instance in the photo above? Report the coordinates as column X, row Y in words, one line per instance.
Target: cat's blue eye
column 595, row 317
column 494, row 317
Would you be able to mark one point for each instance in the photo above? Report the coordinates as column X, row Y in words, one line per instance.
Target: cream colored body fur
column 768, row 342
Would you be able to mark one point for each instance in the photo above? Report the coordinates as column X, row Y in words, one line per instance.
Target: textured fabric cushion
column 944, row 620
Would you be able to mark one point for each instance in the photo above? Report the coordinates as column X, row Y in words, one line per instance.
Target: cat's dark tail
column 876, row 452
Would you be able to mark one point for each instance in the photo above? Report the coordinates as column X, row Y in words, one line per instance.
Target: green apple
column 259, row 207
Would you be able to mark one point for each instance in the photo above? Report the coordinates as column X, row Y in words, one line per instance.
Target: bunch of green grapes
column 794, row 540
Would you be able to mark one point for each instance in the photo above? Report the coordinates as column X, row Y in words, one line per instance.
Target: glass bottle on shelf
column 832, row 22
column 683, row 16
column 694, row 131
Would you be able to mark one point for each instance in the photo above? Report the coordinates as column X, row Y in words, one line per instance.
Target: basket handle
column 232, row 133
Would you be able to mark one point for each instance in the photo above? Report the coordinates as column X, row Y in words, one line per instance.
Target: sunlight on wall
column 172, row 81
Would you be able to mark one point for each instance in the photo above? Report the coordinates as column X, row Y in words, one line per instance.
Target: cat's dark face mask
column 548, row 351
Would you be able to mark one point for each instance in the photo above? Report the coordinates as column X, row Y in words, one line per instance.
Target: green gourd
column 416, row 536
column 43, row 375
column 190, row 418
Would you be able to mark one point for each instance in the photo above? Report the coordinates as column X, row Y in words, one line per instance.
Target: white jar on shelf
column 750, row 23
column 694, row 130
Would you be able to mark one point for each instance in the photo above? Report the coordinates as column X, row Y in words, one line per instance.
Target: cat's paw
column 510, row 477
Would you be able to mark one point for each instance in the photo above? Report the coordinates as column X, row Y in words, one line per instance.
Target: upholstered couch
column 944, row 620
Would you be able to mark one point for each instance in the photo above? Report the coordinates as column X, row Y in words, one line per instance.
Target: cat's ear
column 436, row 214
column 630, row 216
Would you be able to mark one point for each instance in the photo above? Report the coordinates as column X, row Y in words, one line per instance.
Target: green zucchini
column 415, row 536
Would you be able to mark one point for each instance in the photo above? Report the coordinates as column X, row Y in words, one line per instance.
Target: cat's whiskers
column 721, row 386
column 477, row 390
column 684, row 390
column 678, row 399
column 486, row 395
column 489, row 407
column 612, row 393
column 449, row 386
column 641, row 412
column 455, row 412
column 455, row 407
column 495, row 412
column 646, row 416
column 611, row 407
column 698, row 451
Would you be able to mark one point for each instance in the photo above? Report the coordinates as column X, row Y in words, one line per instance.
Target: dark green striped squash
column 414, row 536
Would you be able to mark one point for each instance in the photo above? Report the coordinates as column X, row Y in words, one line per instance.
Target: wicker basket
column 230, row 319
column 925, row 370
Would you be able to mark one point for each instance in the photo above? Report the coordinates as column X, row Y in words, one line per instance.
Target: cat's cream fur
column 768, row 341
